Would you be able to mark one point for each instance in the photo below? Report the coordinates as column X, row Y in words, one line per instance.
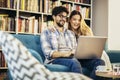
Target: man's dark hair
column 59, row 9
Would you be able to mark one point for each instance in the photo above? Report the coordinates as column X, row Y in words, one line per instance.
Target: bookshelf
column 24, row 17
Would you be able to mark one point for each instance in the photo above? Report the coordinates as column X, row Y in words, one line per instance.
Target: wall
column 114, row 24
column 106, row 15
column 100, row 17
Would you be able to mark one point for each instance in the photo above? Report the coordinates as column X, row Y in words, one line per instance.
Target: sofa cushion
column 36, row 55
column 57, row 67
column 31, row 42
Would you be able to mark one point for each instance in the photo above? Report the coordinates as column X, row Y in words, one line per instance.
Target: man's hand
column 58, row 54
column 68, row 54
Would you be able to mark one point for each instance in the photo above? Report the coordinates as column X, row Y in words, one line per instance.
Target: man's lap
column 64, row 60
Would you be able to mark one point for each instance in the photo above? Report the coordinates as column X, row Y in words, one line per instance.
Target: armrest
column 114, row 56
column 52, row 67
column 36, row 55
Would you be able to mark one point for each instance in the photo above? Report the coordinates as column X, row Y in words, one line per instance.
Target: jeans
column 91, row 64
column 72, row 63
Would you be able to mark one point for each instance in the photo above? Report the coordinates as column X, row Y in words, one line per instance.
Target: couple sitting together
column 59, row 42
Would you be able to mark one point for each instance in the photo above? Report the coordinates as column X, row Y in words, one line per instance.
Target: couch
column 32, row 42
column 24, row 66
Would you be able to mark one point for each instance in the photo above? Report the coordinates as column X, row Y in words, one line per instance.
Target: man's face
column 60, row 19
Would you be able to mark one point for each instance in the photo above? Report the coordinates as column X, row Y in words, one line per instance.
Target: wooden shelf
column 5, row 68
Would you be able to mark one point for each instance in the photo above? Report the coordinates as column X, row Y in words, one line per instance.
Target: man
column 59, row 45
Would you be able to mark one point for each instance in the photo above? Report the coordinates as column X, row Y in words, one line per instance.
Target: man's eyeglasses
column 61, row 16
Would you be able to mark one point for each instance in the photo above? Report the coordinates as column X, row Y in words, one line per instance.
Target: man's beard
column 59, row 24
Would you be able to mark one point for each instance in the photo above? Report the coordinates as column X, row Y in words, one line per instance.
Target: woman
column 79, row 27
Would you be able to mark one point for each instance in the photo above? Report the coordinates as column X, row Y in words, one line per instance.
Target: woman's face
column 75, row 21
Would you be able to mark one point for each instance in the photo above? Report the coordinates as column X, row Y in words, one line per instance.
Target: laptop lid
column 90, row 47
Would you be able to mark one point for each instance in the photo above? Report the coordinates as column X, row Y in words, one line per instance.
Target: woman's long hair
column 85, row 29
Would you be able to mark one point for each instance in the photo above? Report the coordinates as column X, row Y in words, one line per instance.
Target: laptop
column 90, row 47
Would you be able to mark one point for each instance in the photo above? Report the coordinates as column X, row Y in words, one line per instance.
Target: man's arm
column 45, row 44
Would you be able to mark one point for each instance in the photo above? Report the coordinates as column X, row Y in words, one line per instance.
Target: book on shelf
column 3, row 3
column 40, row 8
column 39, row 24
column 2, row 60
column 85, row 1
column 56, row 3
column 28, row 24
column 11, row 24
column 3, row 76
column 77, row 1
column 68, row 6
column 3, row 22
column 85, row 11
column 28, row 5
column 7, row 23
column 8, row 4
column 49, row 5
column 77, row 7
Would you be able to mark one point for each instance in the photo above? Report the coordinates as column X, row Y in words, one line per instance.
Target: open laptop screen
column 90, row 46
